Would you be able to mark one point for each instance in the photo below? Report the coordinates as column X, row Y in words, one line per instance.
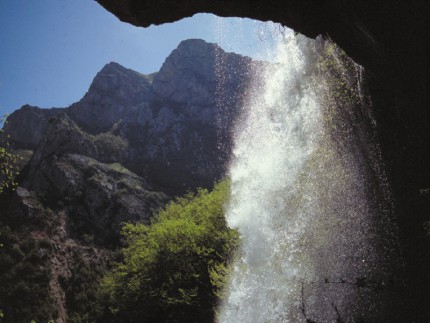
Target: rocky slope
column 171, row 127
column 119, row 154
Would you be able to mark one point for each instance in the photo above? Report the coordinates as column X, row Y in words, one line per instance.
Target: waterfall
column 309, row 196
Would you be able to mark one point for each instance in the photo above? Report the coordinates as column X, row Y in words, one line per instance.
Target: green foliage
column 8, row 163
column 24, row 279
column 81, row 290
column 109, row 144
column 173, row 270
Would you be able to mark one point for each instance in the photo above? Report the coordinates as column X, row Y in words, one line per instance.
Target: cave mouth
column 362, row 54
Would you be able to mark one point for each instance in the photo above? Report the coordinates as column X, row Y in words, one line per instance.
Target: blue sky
column 50, row 50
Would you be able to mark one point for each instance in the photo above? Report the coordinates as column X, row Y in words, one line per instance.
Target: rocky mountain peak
column 192, row 72
column 119, row 80
column 115, row 92
column 171, row 127
column 193, row 51
column 119, row 154
column 25, row 126
column 188, row 72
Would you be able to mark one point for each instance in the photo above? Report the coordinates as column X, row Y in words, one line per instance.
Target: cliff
column 130, row 145
column 171, row 127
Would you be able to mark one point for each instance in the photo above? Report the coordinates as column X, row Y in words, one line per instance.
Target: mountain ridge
column 118, row 155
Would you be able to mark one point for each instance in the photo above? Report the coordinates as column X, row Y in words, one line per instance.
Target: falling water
column 308, row 195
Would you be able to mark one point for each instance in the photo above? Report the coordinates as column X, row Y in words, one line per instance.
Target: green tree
column 174, row 269
column 8, row 162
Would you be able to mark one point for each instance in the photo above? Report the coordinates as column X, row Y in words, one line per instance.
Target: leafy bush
column 24, row 278
column 110, row 147
column 81, row 291
column 8, row 163
column 174, row 269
